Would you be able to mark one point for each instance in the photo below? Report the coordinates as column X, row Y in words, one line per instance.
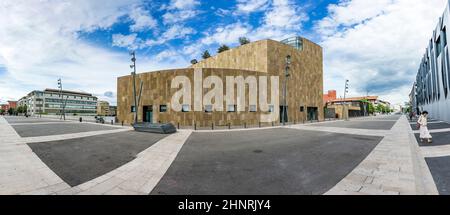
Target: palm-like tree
column 223, row 48
column 206, row 55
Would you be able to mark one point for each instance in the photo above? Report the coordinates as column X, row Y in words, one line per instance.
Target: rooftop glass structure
column 295, row 42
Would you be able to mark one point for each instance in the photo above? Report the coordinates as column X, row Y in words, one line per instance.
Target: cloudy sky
column 376, row 44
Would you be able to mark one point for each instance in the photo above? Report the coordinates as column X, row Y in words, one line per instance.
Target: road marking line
column 50, row 138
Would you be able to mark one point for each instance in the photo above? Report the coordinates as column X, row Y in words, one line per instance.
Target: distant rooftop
column 67, row 92
column 355, row 99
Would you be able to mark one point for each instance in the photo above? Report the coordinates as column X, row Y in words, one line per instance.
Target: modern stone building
column 51, row 102
column 431, row 90
column 103, row 108
column 229, row 88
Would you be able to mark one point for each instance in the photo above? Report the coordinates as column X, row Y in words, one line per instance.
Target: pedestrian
column 423, row 123
column 411, row 114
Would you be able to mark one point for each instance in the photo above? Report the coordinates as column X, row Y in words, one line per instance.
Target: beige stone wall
column 262, row 58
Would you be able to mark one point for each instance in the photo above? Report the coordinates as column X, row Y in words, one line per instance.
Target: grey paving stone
column 276, row 161
column 440, row 170
column 79, row 160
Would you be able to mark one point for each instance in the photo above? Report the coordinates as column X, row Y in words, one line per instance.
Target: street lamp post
column 286, row 75
column 133, row 66
column 345, row 103
column 62, row 111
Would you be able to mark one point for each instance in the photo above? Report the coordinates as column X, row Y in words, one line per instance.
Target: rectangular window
column 208, row 108
column 302, row 109
column 271, row 109
column 186, row 108
column 231, row 108
column 252, row 108
column 438, row 47
column 133, row 109
column 163, row 108
column 444, row 37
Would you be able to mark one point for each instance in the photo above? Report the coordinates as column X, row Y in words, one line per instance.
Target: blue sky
column 377, row 45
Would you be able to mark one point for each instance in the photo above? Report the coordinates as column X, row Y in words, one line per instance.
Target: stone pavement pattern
column 395, row 166
column 21, row 171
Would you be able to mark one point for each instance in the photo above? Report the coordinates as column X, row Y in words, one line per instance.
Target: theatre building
column 265, row 82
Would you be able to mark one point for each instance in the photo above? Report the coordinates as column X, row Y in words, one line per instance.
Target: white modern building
column 431, row 91
column 52, row 101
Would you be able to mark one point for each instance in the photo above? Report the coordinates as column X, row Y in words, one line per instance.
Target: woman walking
column 423, row 123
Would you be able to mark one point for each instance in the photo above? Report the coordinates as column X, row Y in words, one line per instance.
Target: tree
column 379, row 108
column 244, row 40
column 25, row 109
column 2, row 112
column 19, row 109
column 11, row 111
column 371, row 108
column 223, row 48
column 206, row 55
column 194, row 61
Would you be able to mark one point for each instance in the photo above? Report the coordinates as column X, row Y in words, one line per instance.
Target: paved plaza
column 370, row 155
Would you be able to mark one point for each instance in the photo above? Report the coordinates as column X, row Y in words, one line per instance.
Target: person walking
column 423, row 124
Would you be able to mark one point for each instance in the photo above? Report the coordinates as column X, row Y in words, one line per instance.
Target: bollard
column 259, row 124
column 212, row 126
column 112, row 122
column 178, row 125
column 81, row 119
column 195, row 126
column 122, row 123
column 245, row 125
column 229, row 126
column 273, row 124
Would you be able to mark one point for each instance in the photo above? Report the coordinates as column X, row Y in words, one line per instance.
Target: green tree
column 25, row 109
column 371, row 108
column 223, row 48
column 206, row 55
column 19, row 109
column 11, row 111
column 244, row 40
column 379, row 108
column 194, row 61
column 2, row 111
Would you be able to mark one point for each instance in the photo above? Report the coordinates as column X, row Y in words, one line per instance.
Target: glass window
column 438, row 47
column 231, row 108
column 208, row 108
column 444, row 37
column 133, row 109
column 163, row 108
column 302, row 109
column 252, row 108
column 186, row 108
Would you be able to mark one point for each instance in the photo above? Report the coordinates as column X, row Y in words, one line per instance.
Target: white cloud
column 179, row 16
column 39, row 43
column 377, row 48
column 142, row 19
column 250, row 6
column 227, row 35
column 180, row 10
column 174, row 32
column 183, row 4
column 127, row 41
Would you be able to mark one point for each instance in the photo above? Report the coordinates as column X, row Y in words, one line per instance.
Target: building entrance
column 148, row 114
column 313, row 113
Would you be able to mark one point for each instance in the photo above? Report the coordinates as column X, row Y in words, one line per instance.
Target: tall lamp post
column 345, row 103
column 133, row 66
column 62, row 110
column 286, row 76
